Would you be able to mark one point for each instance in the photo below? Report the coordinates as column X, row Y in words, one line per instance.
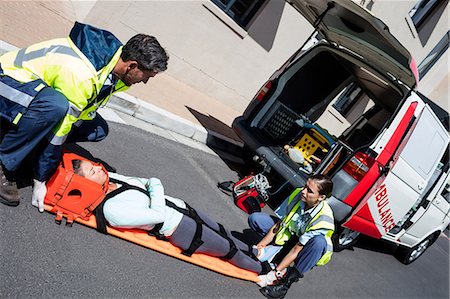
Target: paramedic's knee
column 49, row 106
column 261, row 222
column 90, row 130
column 311, row 254
column 100, row 129
column 318, row 243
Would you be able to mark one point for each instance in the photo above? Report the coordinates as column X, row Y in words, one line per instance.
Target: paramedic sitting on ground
column 309, row 220
column 148, row 208
column 50, row 91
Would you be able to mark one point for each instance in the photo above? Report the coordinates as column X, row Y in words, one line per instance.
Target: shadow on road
column 376, row 245
column 225, row 143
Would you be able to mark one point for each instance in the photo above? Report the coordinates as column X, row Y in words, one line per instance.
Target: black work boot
column 280, row 289
column 9, row 194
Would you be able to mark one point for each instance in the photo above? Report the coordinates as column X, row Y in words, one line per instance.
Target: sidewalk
column 177, row 107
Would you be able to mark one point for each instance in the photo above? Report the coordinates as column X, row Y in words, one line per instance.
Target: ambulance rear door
column 410, row 151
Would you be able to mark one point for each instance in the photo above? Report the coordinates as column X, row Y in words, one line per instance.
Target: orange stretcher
column 141, row 237
column 73, row 197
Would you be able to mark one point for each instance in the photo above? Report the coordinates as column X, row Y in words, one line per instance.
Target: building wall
column 208, row 51
column 396, row 15
column 205, row 52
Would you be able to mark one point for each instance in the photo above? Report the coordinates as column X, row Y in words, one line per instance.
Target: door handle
column 421, row 185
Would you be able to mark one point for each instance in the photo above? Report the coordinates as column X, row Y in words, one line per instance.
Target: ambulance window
column 446, row 192
column 348, row 98
column 425, row 146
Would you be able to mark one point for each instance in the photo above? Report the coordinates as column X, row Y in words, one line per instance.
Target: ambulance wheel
column 344, row 238
column 408, row 255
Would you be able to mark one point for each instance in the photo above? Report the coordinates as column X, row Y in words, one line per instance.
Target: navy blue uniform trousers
column 33, row 131
column 312, row 251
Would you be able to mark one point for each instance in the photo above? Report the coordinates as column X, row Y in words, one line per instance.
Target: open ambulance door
column 410, row 150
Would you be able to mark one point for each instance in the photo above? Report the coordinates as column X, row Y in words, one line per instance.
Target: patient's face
column 93, row 172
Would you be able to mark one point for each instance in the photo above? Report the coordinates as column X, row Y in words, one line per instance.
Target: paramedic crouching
column 309, row 219
column 50, row 92
column 141, row 203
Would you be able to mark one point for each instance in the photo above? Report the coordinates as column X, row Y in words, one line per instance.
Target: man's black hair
column 147, row 52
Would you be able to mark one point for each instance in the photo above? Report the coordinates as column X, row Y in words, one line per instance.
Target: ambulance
column 347, row 106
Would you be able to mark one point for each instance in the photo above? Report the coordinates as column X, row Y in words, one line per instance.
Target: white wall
column 395, row 14
column 204, row 52
column 208, row 53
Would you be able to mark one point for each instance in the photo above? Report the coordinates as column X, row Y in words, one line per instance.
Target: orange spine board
column 141, row 237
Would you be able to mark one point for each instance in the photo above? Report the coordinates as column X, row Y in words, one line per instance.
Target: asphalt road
column 40, row 259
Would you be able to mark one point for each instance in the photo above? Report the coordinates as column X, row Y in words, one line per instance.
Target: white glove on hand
column 39, row 191
column 271, row 277
column 267, row 279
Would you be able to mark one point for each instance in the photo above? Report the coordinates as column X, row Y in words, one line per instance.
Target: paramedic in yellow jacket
column 310, row 223
column 50, row 91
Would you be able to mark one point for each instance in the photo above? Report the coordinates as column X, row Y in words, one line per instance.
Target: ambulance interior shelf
column 310, row 145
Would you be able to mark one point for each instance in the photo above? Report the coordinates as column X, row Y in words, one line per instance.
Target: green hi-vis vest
column 322, row 220
column 62, row 66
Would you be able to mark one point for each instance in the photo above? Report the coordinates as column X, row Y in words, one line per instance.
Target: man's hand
column 271, row 277
column 267, row 279
column 39, row 191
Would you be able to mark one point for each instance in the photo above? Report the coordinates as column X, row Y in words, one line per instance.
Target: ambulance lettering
column 384, row 211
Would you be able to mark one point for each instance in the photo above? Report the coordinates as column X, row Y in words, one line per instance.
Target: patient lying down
column 141, row 203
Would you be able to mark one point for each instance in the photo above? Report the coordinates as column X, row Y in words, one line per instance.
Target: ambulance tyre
column 408, row 255
column 344, row 238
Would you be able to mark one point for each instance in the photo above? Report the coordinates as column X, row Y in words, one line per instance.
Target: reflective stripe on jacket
column 323, row 220
column 76, row 66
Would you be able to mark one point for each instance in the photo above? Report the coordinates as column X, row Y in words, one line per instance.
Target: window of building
column 434, row 55
column 348, row 98
column 241, row 11
column 422, row 10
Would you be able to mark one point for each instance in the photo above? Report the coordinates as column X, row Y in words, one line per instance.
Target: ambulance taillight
column 359, row 165
column 263, row 91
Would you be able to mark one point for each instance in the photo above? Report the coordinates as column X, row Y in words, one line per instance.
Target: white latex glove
column 270, row 278
column 39, row 191
column 267, row 279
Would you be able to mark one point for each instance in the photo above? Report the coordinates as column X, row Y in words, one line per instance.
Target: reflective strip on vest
column 326, row 257
column 15, row 95
column 22, row 56
column 323, row 221
column 78, row 123
column 74, row 111
column 58, row 140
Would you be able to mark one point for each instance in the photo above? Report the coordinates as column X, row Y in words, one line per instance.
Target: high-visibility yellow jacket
column 76, row 66
column 322, row 220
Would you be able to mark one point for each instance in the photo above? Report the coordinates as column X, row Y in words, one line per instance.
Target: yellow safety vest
column 62, row 66
column 322, row 220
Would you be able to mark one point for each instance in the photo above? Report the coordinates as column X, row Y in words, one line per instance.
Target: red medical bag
column 250, row 193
